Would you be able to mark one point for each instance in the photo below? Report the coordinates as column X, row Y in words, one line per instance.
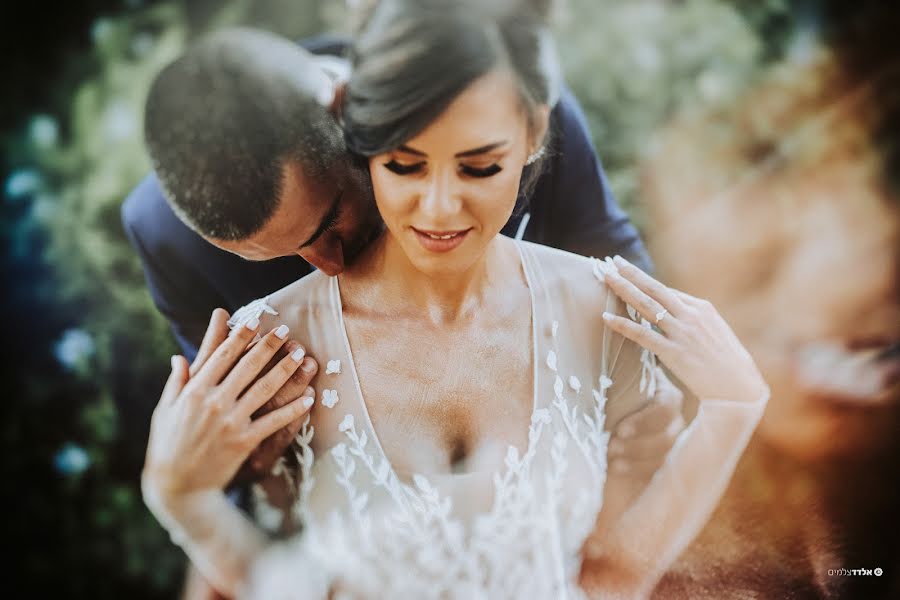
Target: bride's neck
column 398, row 286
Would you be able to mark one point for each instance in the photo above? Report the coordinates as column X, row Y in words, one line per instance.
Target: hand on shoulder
column 691, row 338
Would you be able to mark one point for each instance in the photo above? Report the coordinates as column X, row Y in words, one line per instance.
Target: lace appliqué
column 254, row 310
column 534, row 519
column 329, row 398
column 648, row 359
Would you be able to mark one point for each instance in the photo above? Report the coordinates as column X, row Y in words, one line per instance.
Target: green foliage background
column 76, row 419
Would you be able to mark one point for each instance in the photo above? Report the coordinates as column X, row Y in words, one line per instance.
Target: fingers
column 263, row 458
column 216, row 333
column 643, row 336
column 254, row 362
column 294, row 387
column 269, row 423
column 226, row 354
column 630, row 293
column 270, row 449
column 665, row 296
column 177, row 378
column 269, row 384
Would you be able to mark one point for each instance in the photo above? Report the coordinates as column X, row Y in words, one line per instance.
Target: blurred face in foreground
column 803, row 261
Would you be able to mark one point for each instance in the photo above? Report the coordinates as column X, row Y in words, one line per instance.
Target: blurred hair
column 841, row 102
column 864, row 37
column 412, row 58
column 221, row 121
column 797, row 118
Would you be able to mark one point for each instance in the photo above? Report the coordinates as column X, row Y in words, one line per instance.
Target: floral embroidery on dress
column 551, row 360
column 329, row 398
column 254, row 310
column 333, row 367
column 534, row 517
column 574, row 383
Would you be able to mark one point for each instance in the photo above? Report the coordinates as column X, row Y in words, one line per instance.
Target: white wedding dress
column 515, row 530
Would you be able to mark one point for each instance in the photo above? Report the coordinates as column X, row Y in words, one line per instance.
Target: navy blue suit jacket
column 571, row 208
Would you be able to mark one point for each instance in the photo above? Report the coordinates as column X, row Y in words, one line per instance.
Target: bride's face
column 446, row 193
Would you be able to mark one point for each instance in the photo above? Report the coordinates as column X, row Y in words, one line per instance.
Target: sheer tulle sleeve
column 649, row 535
column 641, row 537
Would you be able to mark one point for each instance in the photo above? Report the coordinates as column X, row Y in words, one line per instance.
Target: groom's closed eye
column 328, row 221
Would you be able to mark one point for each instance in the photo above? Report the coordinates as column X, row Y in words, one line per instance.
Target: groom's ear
column 337, row 102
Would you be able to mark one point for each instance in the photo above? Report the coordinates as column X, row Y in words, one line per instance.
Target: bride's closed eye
column 403, row 169
column 481, row 172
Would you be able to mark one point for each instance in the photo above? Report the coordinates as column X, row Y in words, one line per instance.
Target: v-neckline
column 336, row 290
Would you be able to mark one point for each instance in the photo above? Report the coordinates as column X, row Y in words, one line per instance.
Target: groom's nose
column 327, row 254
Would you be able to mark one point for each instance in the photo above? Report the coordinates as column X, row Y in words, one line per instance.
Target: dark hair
column 221, row 120
column 411, row 59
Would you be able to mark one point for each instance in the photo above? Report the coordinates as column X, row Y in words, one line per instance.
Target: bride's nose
column 441, row 196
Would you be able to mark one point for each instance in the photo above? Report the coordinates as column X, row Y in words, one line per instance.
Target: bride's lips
column 440, row 241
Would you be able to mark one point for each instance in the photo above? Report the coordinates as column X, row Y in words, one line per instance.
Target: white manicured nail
column 298, row 354
column 252, row 324
column 307, row 402
column 281, row 332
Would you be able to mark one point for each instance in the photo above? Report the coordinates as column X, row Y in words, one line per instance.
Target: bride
column 458, row 445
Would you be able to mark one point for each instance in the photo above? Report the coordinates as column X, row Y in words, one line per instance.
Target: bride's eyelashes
column 401, row 169
column 485, row 172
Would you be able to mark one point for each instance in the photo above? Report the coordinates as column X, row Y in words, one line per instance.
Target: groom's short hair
column 221, row 121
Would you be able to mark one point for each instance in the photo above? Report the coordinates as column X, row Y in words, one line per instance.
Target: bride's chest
column 442, row 401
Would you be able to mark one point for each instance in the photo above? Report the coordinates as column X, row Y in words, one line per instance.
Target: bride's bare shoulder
column 580, row 275
column 291, row 305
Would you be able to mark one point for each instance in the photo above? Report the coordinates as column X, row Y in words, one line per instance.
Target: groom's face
column 326, row 220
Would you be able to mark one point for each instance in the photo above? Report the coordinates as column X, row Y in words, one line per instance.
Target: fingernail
column 308, row 401
column 281, row 332
column 607, row 316
column 298, row 354
column 252, row 324
column 308, row 366
column 619, row 260
column 174, row 361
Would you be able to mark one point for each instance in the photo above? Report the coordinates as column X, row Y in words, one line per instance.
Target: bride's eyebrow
column 480, row 150
column 465, row 153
